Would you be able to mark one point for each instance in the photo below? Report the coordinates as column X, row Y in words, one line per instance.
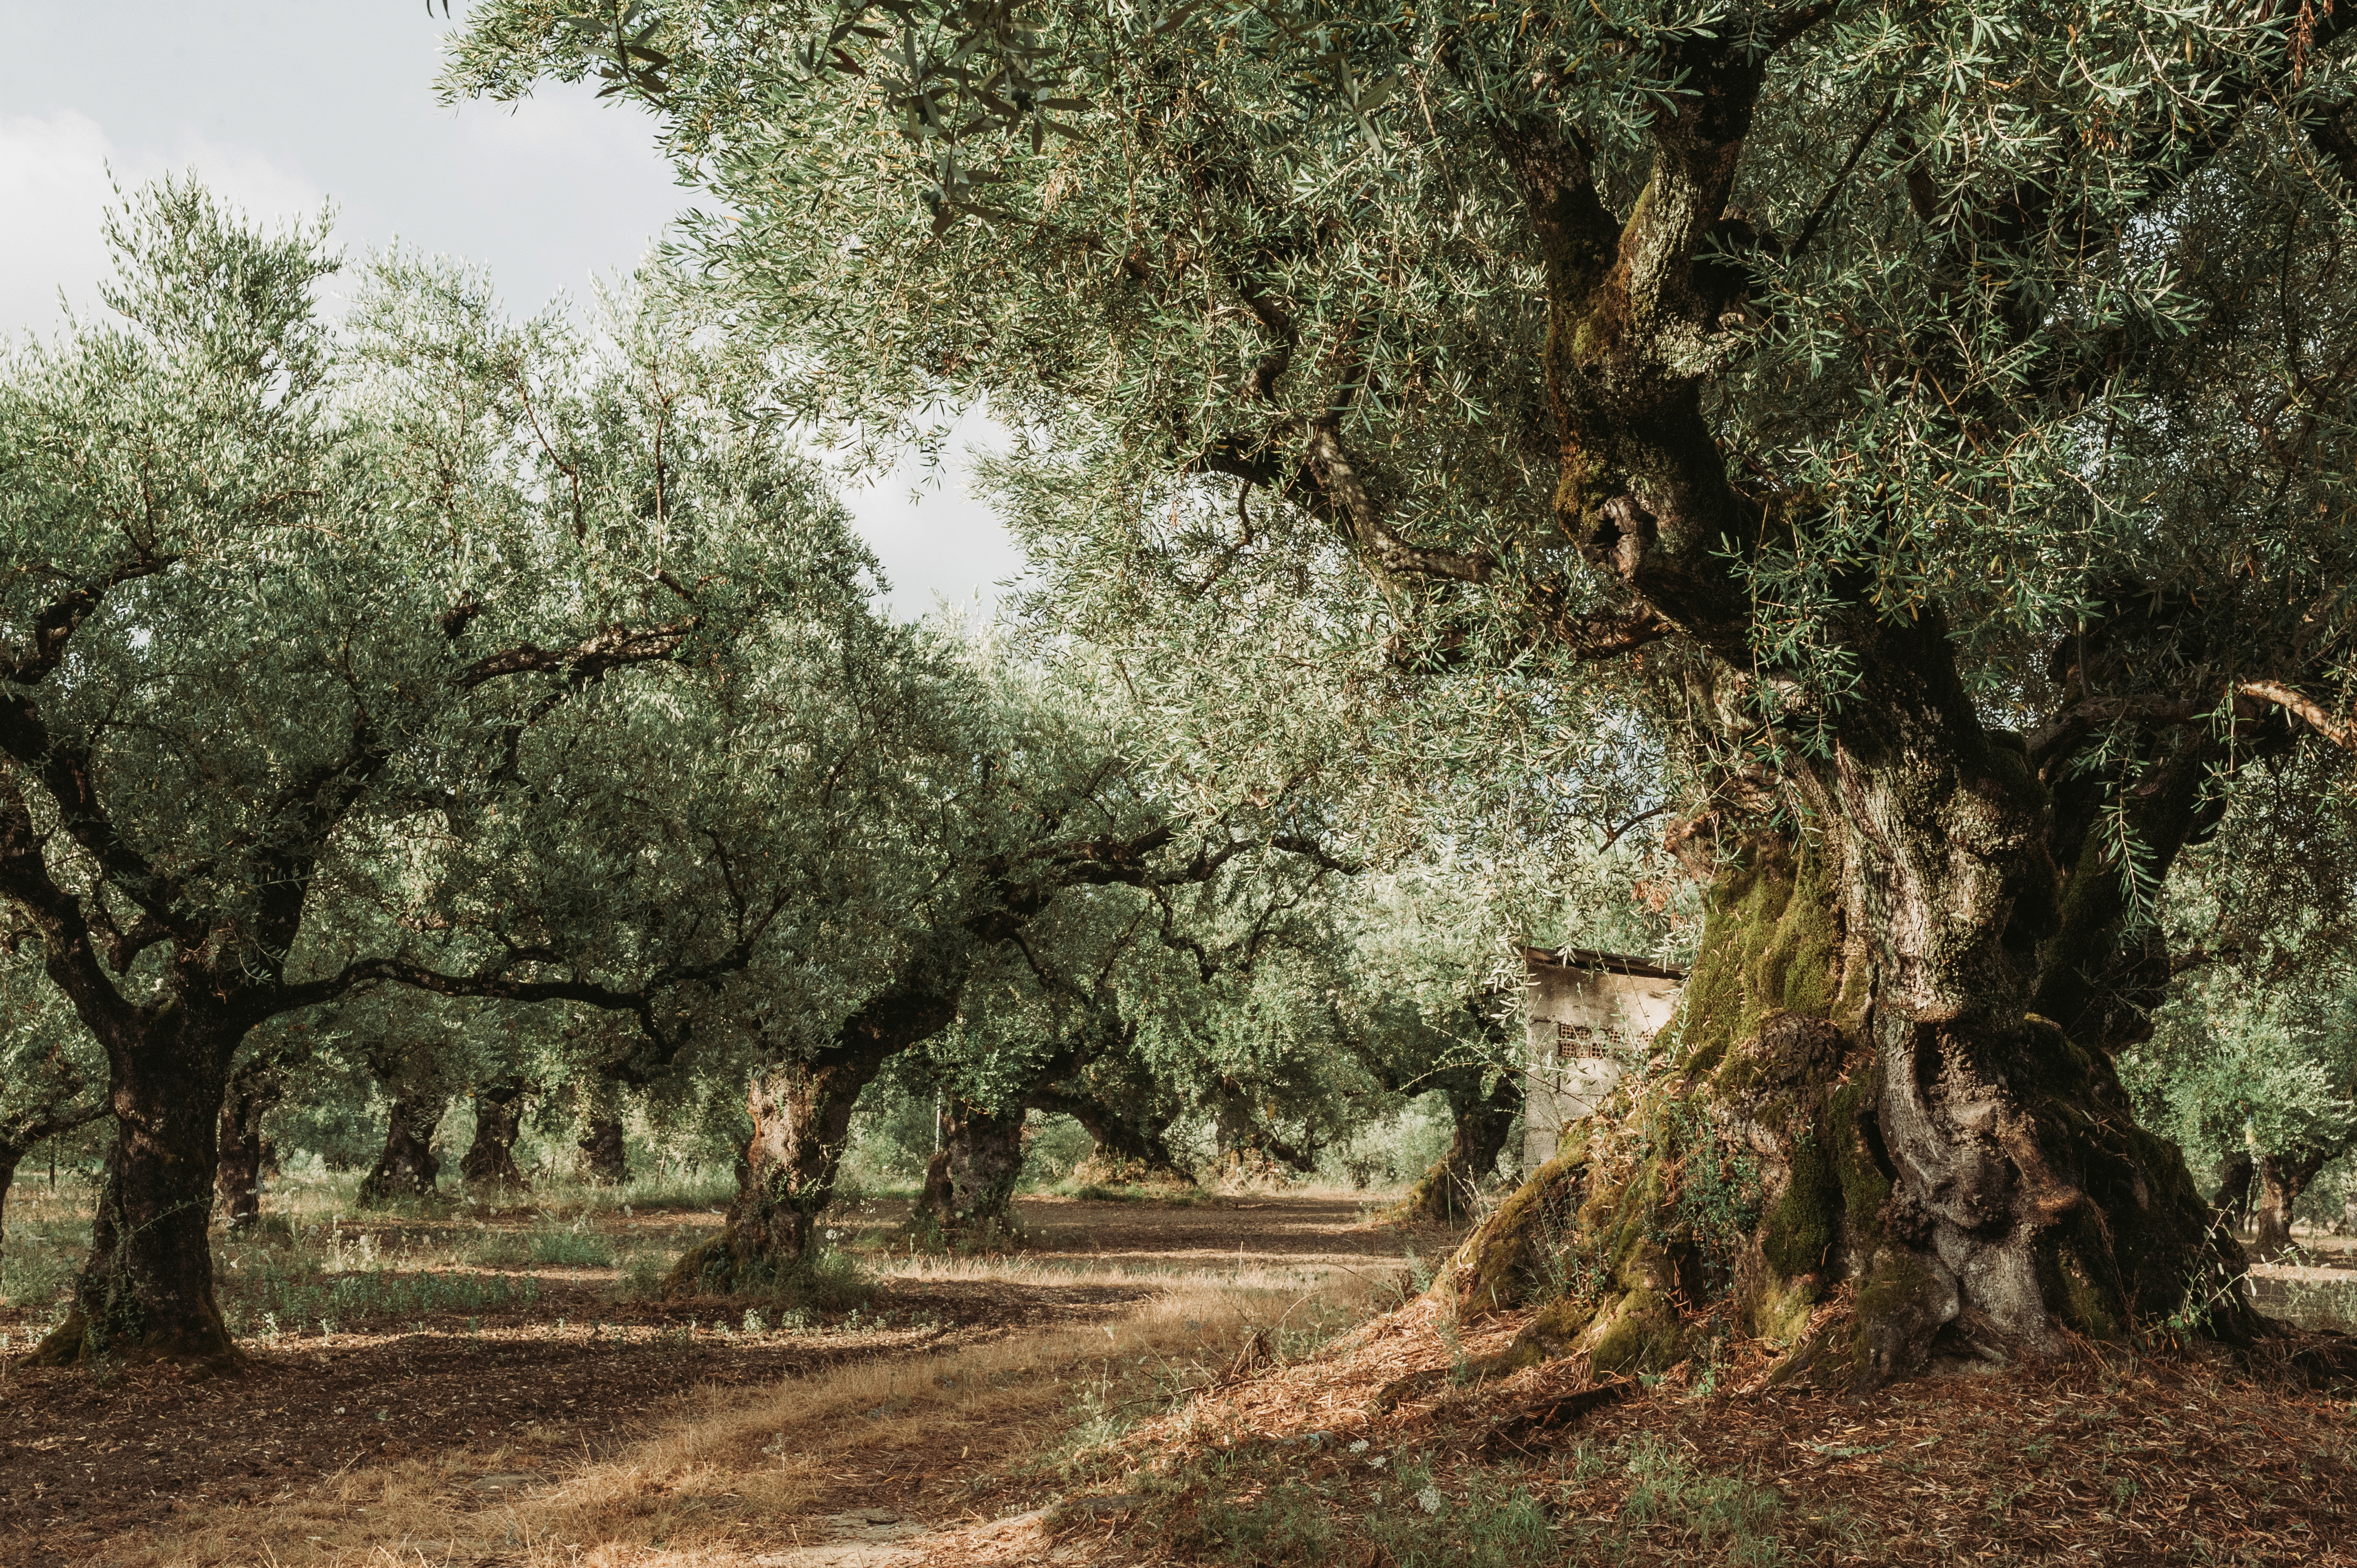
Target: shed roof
column 1601, row 962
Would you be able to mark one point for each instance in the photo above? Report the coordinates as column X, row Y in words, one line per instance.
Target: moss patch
column 1512, row 1252
column 1642, row 1333
column 1771, row 943
column 1802, row 1227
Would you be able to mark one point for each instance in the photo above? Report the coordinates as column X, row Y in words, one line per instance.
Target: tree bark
column 2231, row 1202
column 605, row 1157
column 489, row 1163
column 801, row 1122
column 1866, row 1100
column 254, row 1090
column 969, row 1195
column 408, row 1167
column 146, row 1292
column 801, row 1110
column 2282, row 1179
column 1446, row 1192
column 1129, row 1149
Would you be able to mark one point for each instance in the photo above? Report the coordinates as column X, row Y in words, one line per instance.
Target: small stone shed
column 1586, row 1009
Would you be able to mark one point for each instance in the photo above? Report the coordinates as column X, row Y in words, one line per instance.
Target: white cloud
column 938, row 540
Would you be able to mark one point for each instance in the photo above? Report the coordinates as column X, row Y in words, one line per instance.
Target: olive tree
column 284, row 612
column 1928, row 427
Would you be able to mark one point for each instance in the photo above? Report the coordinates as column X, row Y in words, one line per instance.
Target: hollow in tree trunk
column 2282, row 1179
column 489, row 1163
column 408, row 1167
column 969, row 1195
column 1481, row 1118
column 605, row 1158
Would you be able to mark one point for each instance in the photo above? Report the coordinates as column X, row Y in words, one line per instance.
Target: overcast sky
column 283, row 105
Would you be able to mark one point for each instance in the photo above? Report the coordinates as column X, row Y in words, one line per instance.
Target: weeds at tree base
column 1175, row 1193
column 820, row 1280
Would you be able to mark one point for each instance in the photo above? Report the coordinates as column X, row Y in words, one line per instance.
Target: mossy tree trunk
column 2282, row 1179
column 490, row 1165
column 1127, row 1110
column 1893, row 1068
column 969, row 1193
column 801, row 1122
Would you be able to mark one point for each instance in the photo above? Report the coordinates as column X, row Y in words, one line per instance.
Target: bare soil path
column 497, row 1401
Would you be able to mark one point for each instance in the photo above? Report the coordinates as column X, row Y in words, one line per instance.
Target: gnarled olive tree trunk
column 243, row 1153
column 801, row 1122
column 256, row 1090
column 800, row 1108
column 2282, row 1179
column 2231, row 1202
column 407, row 1166
column 1129, row 1147
column 490, row 1162
column 1891, row 1067
column 969, row 1194
column 1481, row 1117
column 605, row 1158
column 146, row 1292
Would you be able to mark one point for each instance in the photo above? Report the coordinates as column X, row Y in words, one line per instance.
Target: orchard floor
column 1142, row 1384
column 525, row 1382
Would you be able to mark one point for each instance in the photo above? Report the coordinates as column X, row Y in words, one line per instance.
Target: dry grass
column 737, row 1476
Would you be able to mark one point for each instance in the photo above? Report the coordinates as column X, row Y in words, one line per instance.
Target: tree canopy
column 1918, row 435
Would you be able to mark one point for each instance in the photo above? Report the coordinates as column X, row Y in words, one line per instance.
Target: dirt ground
column 578, row 1375
column 1144, row 1383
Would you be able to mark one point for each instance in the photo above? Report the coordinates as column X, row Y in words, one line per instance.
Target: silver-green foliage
column 1250, row 229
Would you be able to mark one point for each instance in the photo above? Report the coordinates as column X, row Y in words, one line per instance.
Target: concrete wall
column 1584, row 1014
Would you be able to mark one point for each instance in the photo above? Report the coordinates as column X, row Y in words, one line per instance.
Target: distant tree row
column 437, row 704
